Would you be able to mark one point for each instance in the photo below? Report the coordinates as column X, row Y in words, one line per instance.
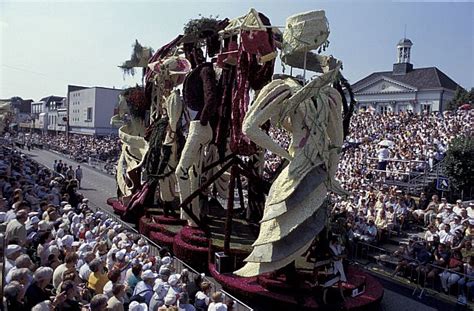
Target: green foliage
column 461, row 97
column 459, row 163
column 138, row 58
column 202, row 27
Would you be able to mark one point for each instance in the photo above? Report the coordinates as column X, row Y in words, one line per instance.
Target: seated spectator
column 467, row 281
column 441, row 260
column 451, row 275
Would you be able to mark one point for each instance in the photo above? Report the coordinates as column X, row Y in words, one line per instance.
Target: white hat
column 67, row 207
column 220, row 306
column 34, row 220
column 44, row 225
column 85, row 200
column 166, row 260
column 170, row 298
column 148, row 274
column 89, row 235
column 136, row 306
column 120, row 255
column 173, row 279
column 84, row 247
column 67, row 240
column 13, row 248
column 147, row 266
column 63, row 203
column 43, row 306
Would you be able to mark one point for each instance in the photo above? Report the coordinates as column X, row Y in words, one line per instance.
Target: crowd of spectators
column 374, row 210
column 419, row 141
column 84, row 148
column 61, row 255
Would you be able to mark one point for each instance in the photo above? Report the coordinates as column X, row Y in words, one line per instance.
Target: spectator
column 450, row 276
column 217, row 303
column 37, row 292
column 98, row 277
column 16, row 229
column 467, row 281
column 144, row 288
column 116, row 302
column 78, row 175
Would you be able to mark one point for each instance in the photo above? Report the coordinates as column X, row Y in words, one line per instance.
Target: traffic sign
column 442, row 184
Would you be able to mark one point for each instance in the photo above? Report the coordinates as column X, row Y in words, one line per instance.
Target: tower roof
column 405, row 41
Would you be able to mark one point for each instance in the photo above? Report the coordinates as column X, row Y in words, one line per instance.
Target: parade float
column 194, row 142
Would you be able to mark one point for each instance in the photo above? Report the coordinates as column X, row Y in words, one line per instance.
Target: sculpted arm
column 267, row 105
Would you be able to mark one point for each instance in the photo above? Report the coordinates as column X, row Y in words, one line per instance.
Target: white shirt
column 84, row 272
column 383, row 154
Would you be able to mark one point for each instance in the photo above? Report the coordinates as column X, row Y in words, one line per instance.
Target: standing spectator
column 59, row 167
column 70, row 173
column 383, row 155
column 15, row 232
column 79, row 175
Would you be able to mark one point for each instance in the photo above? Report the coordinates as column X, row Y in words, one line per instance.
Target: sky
column 44, row 46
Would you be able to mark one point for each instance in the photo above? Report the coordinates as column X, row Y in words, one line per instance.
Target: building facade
column 44, row 115
column 90, row 110
column 405, row 88
column 53, row 108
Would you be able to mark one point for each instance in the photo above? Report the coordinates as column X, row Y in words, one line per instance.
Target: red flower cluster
column 136, row 98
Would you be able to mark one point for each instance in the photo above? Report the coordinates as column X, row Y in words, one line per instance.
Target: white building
column 54, row 107
column 405, row 88
column 90, row 110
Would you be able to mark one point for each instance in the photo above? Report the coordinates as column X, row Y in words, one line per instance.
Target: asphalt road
column 98, row 187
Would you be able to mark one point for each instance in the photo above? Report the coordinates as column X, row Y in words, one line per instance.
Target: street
column 96, row 186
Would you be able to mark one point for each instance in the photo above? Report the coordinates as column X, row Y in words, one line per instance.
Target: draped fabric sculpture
column 134, row 146
column 294, row 212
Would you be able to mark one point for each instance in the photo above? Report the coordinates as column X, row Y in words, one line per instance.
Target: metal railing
column 3, row 245
column 418, row 277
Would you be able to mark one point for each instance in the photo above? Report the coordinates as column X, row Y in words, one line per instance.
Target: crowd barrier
column 3, row 246
column 363, row 252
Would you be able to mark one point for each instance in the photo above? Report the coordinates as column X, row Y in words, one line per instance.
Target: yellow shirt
column 97, row 282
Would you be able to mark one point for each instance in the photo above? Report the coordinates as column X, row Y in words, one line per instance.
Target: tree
column 461, row 97
column 459, row 163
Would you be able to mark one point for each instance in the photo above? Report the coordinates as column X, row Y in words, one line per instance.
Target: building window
column 89, row 114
